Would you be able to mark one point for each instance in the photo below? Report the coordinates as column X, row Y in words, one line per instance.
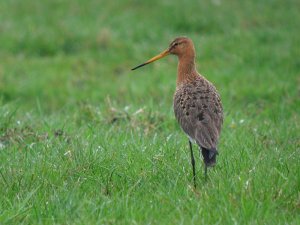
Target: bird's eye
column 175, row 44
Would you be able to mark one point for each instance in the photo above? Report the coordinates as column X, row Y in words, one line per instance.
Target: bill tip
column 139, row 66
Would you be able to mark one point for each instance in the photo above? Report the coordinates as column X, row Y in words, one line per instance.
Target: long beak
column 159, row 56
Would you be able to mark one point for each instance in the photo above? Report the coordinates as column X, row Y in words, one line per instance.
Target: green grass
column 83, row 140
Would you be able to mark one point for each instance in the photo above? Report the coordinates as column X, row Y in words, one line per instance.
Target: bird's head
column 181, row 46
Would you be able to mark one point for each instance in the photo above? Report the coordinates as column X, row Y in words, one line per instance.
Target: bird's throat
column 186, row 71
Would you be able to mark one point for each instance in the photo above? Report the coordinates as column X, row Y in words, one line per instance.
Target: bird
column 196, row 102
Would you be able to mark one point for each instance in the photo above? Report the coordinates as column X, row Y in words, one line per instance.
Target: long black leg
column 193, row 163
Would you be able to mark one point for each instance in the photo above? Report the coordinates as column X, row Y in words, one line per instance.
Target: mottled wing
column 198, row 109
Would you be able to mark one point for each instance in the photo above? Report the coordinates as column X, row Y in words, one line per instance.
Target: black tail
column 209, row 156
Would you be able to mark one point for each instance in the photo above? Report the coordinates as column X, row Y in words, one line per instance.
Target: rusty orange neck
column 186, row 71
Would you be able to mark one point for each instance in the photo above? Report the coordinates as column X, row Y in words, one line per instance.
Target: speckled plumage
column 198, row 110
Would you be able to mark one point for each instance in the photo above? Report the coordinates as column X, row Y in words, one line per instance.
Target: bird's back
column 198, row 109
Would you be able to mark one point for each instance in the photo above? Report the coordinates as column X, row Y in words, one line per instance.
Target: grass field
column 84, row 140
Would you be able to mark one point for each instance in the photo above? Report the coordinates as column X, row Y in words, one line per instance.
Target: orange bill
column 159, row 56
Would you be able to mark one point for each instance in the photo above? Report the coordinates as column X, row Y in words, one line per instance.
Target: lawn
column 85, row 140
